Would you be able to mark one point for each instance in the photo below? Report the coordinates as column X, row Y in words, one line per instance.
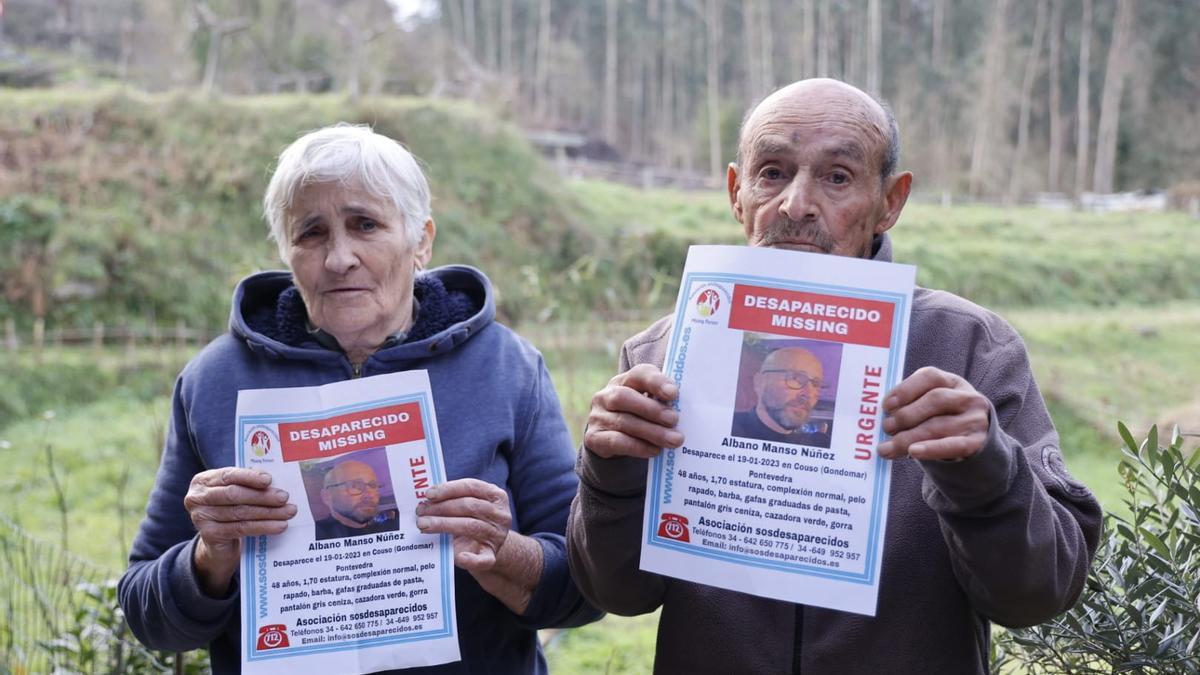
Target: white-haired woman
column 350, row 212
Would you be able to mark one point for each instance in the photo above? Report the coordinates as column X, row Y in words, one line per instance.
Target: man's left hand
column 934, row 414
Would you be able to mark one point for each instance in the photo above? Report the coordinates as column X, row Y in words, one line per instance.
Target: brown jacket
column 1005, row 536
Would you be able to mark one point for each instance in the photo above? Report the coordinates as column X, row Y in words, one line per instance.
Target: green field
column 1107, row 306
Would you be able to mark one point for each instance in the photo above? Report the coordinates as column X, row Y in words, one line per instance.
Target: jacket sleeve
column 543, row 483
column 604, row 532
column 1020, row 529
column 160, row 592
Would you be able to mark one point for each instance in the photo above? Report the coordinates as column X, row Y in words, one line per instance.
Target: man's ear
column 328, row 500
column 895, row 196
column 424, row 249
column 734, row 184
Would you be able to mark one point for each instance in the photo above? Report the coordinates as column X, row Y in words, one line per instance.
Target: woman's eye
column 368, row 225
column 308, row 233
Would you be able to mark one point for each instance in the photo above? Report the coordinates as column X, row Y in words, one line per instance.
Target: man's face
column 809, row 179
column 352, row 261
column 352, row 493
column 788, row 386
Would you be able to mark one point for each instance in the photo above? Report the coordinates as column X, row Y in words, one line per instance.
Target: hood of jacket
column 454, row 302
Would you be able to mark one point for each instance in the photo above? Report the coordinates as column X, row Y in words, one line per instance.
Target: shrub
column 1140, row 610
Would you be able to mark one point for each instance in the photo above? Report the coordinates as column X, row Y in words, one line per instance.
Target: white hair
column 354, row 155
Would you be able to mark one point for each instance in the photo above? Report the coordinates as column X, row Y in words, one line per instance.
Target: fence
column 101, row 334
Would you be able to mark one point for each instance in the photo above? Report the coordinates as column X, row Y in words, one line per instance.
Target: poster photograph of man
column 351, row 495
column 786, row 390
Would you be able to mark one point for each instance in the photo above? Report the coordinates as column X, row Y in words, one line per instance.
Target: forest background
column 136, row 138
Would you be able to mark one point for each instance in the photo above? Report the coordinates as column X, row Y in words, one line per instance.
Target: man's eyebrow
column 769, row 146
column 849, row 150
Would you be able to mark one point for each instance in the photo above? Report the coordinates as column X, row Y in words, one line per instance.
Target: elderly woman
column 350, row 212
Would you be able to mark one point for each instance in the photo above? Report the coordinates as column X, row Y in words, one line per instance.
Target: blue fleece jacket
column 499, row 421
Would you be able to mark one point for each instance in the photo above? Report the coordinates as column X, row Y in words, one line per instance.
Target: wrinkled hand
column 934, row 414
column 226, row 505
column 475, row 513
column 632, row 416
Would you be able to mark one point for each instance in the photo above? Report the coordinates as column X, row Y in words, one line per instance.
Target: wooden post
column 97, row 335
column 39, row 338
column 10, row 334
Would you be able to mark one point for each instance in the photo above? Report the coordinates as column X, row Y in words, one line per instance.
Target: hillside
column 143, row 208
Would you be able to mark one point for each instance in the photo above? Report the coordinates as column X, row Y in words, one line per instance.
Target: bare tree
column 611, row 28
column 218, row 30
column 1110, row 100
column 1083, row 123
column 986, row 109
column 1054, row 175
column 1031, row 71
column 874, row 45
column 712, row 18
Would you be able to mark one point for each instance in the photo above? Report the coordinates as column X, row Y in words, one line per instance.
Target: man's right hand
column 226, row 505
column 632, row 416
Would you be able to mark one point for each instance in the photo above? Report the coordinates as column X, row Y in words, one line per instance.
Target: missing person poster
column 782, row 359
column 351, row 586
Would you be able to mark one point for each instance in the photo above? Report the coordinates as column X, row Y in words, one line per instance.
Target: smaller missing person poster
column 782, row 359
column 351, row 586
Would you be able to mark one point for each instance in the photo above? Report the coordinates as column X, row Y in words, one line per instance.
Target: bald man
column 984, row 522
column 787, row 387
column 351, row 492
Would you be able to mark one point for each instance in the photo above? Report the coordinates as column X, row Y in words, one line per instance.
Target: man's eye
column 771, row 173
column 839, row 178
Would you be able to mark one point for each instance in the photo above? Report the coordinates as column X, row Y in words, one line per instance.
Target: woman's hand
column 226, row 505
column 476, row 514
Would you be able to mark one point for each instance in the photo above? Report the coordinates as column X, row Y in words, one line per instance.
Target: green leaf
column 1127, row 437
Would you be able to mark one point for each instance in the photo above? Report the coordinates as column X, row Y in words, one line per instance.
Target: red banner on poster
column 812, row 315
column 360, row 430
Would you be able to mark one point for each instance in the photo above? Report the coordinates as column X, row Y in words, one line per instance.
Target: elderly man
column 985, row 523
column 788, row 386
column 351, row 491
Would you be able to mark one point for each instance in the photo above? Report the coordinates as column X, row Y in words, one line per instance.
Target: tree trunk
column 713, row 85
column 809, row 37
column 1110, row 100
column 1083, row 107
column 506, row 38
column 874, row 45
column 1054, row 176
column 750, row 49
column 542, row 67
column 936, row 55
column 610, row 70
column 766, row 44
column 824, row 35
column 987, row 110
column 1031, row 71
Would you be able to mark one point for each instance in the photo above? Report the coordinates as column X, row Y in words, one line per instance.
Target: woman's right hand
column 226, row 505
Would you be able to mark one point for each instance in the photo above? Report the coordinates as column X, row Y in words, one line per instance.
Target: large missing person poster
column 782, row 359
column 351, row 586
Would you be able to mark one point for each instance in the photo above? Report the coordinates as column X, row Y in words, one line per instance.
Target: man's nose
column 340, row 254
column 799, row 199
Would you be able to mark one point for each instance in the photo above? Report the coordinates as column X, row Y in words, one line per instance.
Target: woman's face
column 353, row 263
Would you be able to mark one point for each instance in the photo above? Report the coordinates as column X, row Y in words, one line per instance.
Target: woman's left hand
column 476, row 514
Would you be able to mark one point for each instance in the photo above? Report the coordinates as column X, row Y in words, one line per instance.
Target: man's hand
column 476, row 514
column 632, row 416
column 226, row 505
column 933, row 414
